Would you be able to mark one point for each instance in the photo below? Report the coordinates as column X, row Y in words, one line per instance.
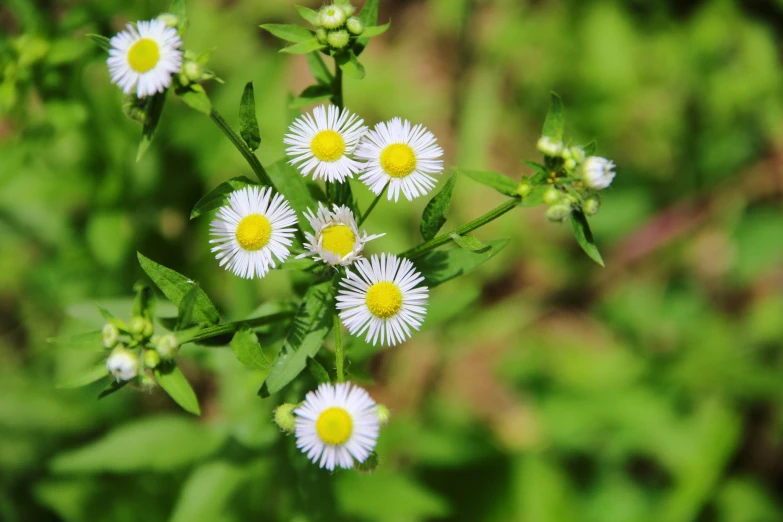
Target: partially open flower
column 336, row 238
column 550, row 146
column 123, row 364
column 598, row 172
column 331, row 16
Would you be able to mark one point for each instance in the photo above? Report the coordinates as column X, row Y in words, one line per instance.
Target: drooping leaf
column 185, row 308
column 216, row 197
column 375, row 30
column 554, row 125
column 308, row 14
column 248, row 123
column 293, row 186
column 152, row 111
column 584, row 236
column 318, row 372
column 497, row 181
column 312, row 94
column 90, row 375
column 470, row 244
column 320, row 71
column 101, row 41
column 439, row 266
column 307, row 46
column 350, row 65
column 306, row 336
column 177, row 386
column 248, row 350
column 195, row 97
column 175, row 286
column 434, row 215
column 83, row 341
column 289, row 33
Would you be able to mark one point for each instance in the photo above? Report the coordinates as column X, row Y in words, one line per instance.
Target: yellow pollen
column 253, row 232
column 334, row 426
column 384, row 299
column 143, row 55
column 398, row 160
column 338, row 239
column 328, row 145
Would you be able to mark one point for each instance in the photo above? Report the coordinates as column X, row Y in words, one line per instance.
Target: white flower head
column 336, row 239
column 382, row 298
column 598, row 172
column 331, row 16
column 145, row 57
column 405, row 158
column 337, row 424
column 550, row 146
column 255, row 225
column 323, row 141
column 122, row 364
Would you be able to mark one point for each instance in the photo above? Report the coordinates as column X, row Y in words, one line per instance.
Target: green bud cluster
column 194, row 69
column 337, row 27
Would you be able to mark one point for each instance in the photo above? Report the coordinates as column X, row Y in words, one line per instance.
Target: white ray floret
column 382, row 299
column 335, row 239
column 598, row 172
column 321, row 143
column 404, row 158
column 336, row 425
column 255, row 226
column 144, row 58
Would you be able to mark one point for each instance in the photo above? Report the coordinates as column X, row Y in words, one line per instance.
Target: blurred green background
column 542, row 388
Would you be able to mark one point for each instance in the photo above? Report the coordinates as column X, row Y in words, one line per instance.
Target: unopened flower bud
column 354, row 26
column 347, row 8
column 331, row 17
column 369, row 465
column 598, row 172
column 383, row 414
column 570, row 164
column 284, row 417
column 169, row 19
column 550, row 146
column 123, row 364
column 552, row 196
column 338, row 39
column 150, row 359
column 524, row 189
column 591, row 205
column 321, row 34
column 192, row 70
column 575, row 153
column 558, row 212
column 111, row 335
column 138, row 326
column 147, row 382
column 167, row 346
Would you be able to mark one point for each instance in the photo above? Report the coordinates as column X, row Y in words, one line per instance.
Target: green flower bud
column 167, row 346
column 383, row 414
column 524, row 189
column 550, row 146
column 111, row 334
column 591, row 205
column 148, row 329
column 369, row 465
column 575, row 153
column 570, row 164
column 321, row 34
column 169, row 19
column 133, row 107
column 137, row 326
column 354, row 26
column 192, row 71
column 150, row 358
column 284, row 417
column 331, row 17
column 338, row 39
column 347, row 8
column 552, row 196
column 559, row 212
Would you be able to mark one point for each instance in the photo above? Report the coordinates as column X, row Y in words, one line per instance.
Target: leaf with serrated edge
column 434, row 215
column 248, row 123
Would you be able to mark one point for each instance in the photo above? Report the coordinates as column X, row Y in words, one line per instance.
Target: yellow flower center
column 143, row 55
column 338, row 239
column 398, row 160
column 384, row 299
column 253, row 232
column 328, row 145
column 334, row 426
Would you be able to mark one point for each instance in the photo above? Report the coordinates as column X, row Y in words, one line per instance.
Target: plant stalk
column 221, row 329
column 339, row 353
column 371, row 207
column 242, row 147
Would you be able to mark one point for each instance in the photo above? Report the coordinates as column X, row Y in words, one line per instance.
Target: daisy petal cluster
column 335, row 239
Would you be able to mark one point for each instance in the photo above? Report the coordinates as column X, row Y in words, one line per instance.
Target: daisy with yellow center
column 335, row 239
column 254, row 226
column 404, row 158
column 336, row 425
column 145, row 57
column 321, row 143
column 383, row 299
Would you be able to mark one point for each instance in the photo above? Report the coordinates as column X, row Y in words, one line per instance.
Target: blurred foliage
column 543, row 388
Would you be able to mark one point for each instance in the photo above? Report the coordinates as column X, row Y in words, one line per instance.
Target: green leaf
column 386, row 495
column 350, row 65
column 375, row 30
column 101, row 41
column 178, row 8
column 470, row 244
column 308, row 46
column 320, row 71
column 83, row 341
column 293, row 186
column 144, row 302
column 584, row 236
column 439, row 266
column 217, row 197
column 318, row 372
column 109, row 318
column 88, row 376
column 499, row 182
column 207, row 492
column 177, row 386
column 554, row 125
column 342, row 194
column 175, row 286
column 152, row 111
column 539, row 168
column 589, row 148
column 369, row 18
column 313, row 94
column 308, row 14
column 112, row 387
column 248, row 123
column 186, row 307
column 196, row 98
column 310, row 327
column 536, row 196
column 248, row 350
column 289, row 33
column 434, row 215
column 162, row 443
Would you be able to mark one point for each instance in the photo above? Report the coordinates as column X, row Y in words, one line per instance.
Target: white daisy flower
column 122, row 364
column 336, row 239
column 383, row 299
column 406, row 159
column 254, row 225
column 145, row 57
column 598, row 172
column 321, row 143
column 337, row 424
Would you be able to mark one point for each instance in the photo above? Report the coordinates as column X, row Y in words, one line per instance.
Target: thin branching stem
column 242, row 147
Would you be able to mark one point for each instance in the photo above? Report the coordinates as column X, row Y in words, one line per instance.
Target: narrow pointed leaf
column 439, row 266
column 434, row 215
column 185, row 308
column 248, row 350
column 152, row 112
column 342, row 194
column 83, row 341
column 497, row 181
column 217, row 197
column 317, row 370
column 112, row 387
column 369, row 18
column 101, row 41
column 313, row 94
column 350, row 65
column 554, row 125
column 308, row 14
column 589, row 148
column 375, row 30
column 196, row 98
column 144, row 302
column 90, row 375
column 471, row 244
column 307, row 46
column 289, row 33
column 177, row 386
column 248, row 123
column 320, row 71
column 584, row 236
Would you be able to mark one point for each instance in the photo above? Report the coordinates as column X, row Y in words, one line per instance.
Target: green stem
column 464, row 229
column 221, row 329
column 337, row 97
column 371, row 207
column 242, row 147
column 339, row 353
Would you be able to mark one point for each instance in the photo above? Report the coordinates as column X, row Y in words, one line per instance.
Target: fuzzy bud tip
column 338, row 39
column 284, row 417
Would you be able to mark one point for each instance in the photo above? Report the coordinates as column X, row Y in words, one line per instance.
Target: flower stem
column 339, row 353
column 221, row 329
column 242, row 147
column 337, row 96
column 464, row 229
column 371, row 207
